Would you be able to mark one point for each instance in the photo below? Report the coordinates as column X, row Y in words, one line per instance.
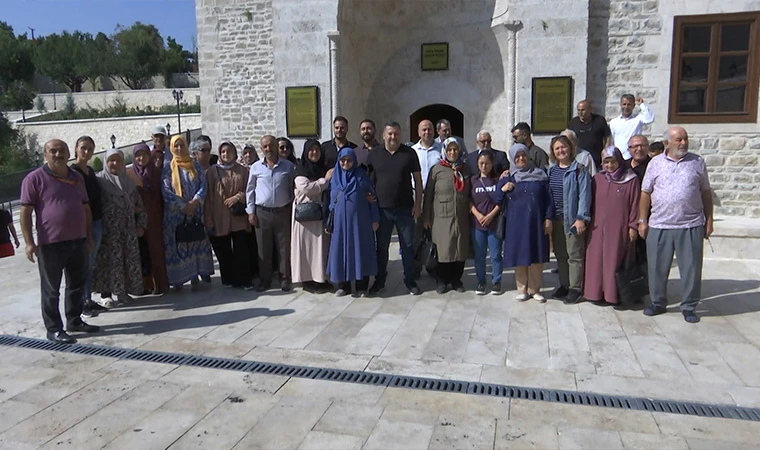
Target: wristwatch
column 643, row 221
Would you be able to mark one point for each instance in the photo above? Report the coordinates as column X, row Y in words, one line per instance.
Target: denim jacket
column 576, row 194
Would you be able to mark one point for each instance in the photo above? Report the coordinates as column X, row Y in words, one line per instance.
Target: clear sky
column 175, row 18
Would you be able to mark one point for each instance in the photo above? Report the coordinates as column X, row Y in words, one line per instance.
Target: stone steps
column 735, row 238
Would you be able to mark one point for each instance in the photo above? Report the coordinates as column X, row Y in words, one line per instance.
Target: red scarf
column 458, row 177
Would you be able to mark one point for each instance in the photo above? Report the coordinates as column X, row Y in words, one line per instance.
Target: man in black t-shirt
column 332, row 147
column 392, row 168
column 592, row 131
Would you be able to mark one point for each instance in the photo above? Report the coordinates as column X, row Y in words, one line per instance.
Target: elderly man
column 59, row 200
column 521, row 134
column 159, row 153
column 628, row 124
column 591, row 130
column 332, row 147
column 677, row 189
column 500, row 161
column 638, row 147
column 443, row 128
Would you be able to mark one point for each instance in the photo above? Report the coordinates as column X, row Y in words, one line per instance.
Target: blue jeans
column 402, row 219
column 482, row 240
column 97, row 236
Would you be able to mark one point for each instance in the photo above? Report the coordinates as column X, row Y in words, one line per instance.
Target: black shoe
column 481, row 289
column 496, row 289
column 88, row 312
column 206, row 278
column 654, row 310
column 440, row 288
column 285, row 285
column 690, row 316
column 560, row 293
column 376, row 287
column 619, row 307
column 572, row 297
column 458, row 286
column 309, row 286
column 61, row 337
column 263, row 287
column 95, row 307
column 82, row 327
column 413, row 289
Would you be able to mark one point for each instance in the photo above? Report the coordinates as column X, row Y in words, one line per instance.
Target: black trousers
column 449, row 273
column 273, row 232
column 69, row 258
column 233, row 253
column 253, row 253
column 361, row 285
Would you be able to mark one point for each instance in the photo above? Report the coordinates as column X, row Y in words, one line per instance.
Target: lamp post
column 169, row 129
column 113, row 141
column 178, row 96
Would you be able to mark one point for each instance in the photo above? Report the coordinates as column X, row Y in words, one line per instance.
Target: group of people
column 325, row 220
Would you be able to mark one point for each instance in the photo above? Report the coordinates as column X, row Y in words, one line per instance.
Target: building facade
column 365, row 59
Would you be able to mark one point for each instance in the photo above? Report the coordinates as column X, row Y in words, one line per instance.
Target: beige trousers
column 528, row 278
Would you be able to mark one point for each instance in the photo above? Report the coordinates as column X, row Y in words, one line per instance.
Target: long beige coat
column 309, row 244
column 448, row 212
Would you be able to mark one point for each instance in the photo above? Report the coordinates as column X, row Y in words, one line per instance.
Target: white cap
column 159, row 129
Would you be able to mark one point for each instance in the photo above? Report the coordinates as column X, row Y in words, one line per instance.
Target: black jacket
column 500, row 163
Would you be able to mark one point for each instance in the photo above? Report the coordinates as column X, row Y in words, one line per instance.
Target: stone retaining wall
column 155, row 98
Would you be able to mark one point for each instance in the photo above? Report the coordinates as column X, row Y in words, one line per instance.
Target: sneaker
column 248, row 287
column 340, row 293
column 206, row 278
column 540, row 298
column 414, row 289
column 655, row 310
column 108, row 303
column 459, row 287
column 496, row 289
column 441, row 288
column 87, row 312
column 285, row 285
column 481, row 289
column 560, row 293
column 690, row 316
column 572, row 297
column 521, row 297
column 376, row 287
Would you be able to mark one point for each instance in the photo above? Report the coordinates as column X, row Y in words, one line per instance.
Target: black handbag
column 308, row 212
column 631, row 278
column 190, row 230
column 427, row 252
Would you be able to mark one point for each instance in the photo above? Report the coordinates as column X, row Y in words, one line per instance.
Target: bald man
column 677, row 190
column 59, row 200
column 428, row 149
column 592, row 131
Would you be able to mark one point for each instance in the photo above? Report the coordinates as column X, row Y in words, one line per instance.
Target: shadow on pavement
column 727, row 297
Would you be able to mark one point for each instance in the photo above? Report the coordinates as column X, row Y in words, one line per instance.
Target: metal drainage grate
column 398, row 381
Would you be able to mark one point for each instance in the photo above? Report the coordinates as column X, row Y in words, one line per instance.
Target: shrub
column 39, row 105
column 97, row 164
column 68, row 106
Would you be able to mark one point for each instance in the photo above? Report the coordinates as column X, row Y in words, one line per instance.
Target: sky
column 175, row 18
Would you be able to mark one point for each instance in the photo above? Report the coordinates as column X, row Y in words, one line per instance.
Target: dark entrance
column 434, row 113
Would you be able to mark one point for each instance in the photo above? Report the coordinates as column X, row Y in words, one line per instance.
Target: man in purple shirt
column 677, row 189
column 59, row 200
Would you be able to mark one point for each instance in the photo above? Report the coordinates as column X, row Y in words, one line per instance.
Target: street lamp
column 178, row 96
column 169, row 129
column 113, row 141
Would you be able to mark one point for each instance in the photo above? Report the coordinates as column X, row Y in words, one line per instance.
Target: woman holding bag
column 613, row 228
column 188, row 252
column 309, row 243
column 226, row 219
column 486, row 214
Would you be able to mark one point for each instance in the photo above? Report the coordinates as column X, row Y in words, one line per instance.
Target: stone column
column 512, row 27
column 334, row 78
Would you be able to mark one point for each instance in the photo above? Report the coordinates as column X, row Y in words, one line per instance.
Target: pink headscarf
column 623, row 174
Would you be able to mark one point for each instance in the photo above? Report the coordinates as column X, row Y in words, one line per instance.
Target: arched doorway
column 434, row 113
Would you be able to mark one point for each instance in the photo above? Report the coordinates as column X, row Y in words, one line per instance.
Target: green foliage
column 68, row 106
column 176, row 60
column 15, row 61
column 15, row 155
column 116, row 111
column 97, row 164
column 71, row 58
column 39, row 105
column 17, row 96
column 139, row 52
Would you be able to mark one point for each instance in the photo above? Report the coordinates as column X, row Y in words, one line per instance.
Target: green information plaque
column 302, row 111
column 551, row 104
column 435, row 56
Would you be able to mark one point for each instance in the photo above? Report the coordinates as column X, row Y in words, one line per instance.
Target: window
column 715, row 68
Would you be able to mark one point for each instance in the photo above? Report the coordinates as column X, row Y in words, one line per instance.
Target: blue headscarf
column 346, row 180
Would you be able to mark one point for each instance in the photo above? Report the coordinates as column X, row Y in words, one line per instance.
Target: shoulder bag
column 308, row 212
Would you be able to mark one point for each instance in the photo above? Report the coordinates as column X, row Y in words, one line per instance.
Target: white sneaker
column 521, row 297
column 539, row 297
column 108, row 302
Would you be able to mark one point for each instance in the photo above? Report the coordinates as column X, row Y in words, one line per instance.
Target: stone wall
column 155, row 98
column 45, row 84
column 236, row 67
column 128, row 130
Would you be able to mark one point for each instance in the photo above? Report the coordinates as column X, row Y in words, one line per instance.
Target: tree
column 176, row 60
column 18, row 96
column 71, row 58
column 15, row 59
column 139, row 52
column 15, row 156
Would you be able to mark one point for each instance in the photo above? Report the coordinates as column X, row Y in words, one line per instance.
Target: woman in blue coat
column 353, row 256
column 528, row 209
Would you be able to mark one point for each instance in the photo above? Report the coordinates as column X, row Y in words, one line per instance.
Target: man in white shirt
column 629, row 124
column 443, row 128
column 427, row 149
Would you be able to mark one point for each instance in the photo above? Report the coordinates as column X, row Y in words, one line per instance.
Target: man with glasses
column 638, row 147
column 521, row 135
column 200, row 150
column 500, row 161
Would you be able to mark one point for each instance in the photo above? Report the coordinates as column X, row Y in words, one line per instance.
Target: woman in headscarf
column 147, row 177
column 353, row 255
column 613, row 229
column 309, row 244
column 528, row 211
column 226, row 219
column 184, row 191
column 286, row 149
column 446, row 213
column 117, row 264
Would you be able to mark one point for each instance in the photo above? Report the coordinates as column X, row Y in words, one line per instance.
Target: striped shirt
column 556, row 176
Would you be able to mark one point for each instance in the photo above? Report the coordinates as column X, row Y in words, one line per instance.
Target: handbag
column 427, row 252
column 631, row 278
column 190, row 230
column 308, row 212
column 500, row 218
column 237, row 209
column 6, row 250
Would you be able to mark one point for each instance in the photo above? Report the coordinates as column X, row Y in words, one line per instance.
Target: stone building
column 365, row 58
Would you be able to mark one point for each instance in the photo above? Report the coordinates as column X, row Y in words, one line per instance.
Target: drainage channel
column 396, row 381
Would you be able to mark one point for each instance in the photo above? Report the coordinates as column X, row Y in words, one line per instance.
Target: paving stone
column 583, row 438
column 442, row 403
column 446, row 346
column 657, row 358
column 312, row 324
column 350, row 419
column 374, row 336
column 157, row 430
column 399, row 435
column 708, row 366
column 528, row 342
column 319, row 440
column 746, row 396
column 518, row 434
column 710, row 444
column 739, row 431
column 490, row 331
column 435, row 369
column 459, row 314
column 285, row 425
column 335, row 336
column 313, row 358
column 362, row 308
column 642, row 387
column 547, row 379
column 583, row 416
column 137, row 369
column 13, row 412
column 227, row 380
column 17, row 379
column 458, row 431
column 744, row 359
column 415, row 332
column 642, row 441
column 271, row 328
column 568, row 346
column 612, row 353
column 331, row 391
column 196, row 347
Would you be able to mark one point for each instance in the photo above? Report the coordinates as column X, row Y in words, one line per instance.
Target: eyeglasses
column 637, row 146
